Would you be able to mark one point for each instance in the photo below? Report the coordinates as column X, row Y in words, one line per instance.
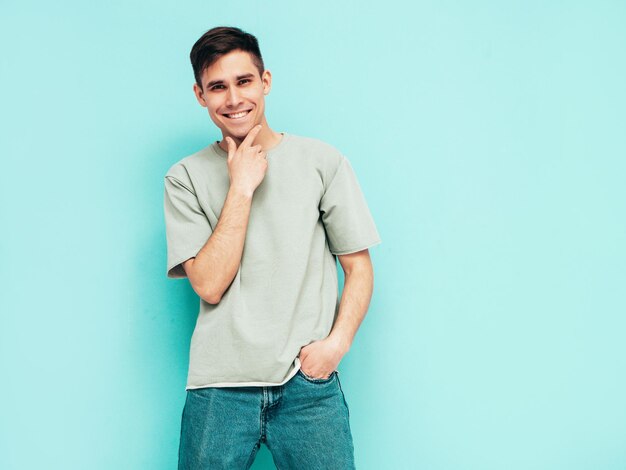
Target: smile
column 238, row 115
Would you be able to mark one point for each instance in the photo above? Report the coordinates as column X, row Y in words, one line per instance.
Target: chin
column 241, row 132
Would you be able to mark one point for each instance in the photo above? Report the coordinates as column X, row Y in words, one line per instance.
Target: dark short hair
column 220, row 41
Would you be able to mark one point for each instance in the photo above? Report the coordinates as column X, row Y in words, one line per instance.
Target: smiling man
column 256, row 222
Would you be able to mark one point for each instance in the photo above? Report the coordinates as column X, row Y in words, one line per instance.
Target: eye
column 244, row 80
column 214, row 87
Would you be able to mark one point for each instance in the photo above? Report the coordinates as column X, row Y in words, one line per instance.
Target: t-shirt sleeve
column 347, row 219
column 187, row 227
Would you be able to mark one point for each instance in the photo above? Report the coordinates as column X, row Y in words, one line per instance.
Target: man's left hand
column 320, row 358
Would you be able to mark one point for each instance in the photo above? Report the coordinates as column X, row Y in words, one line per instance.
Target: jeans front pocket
column 315, row 380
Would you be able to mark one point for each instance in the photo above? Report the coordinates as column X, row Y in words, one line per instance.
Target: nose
column 233, row 98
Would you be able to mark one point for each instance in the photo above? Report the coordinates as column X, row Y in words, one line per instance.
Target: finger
column 250, row 137
column 231, row 147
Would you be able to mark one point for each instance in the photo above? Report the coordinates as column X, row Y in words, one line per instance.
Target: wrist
column 241, row 192
column 341, row 342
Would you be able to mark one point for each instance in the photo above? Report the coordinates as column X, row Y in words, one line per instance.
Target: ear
column 267, row 81
column 199, row 95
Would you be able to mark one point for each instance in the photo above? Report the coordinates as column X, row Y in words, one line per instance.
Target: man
column 256, row 223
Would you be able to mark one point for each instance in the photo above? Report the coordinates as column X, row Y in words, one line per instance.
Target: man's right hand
column 247, row 164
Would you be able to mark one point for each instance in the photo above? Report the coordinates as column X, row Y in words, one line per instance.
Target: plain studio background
column 489, row 140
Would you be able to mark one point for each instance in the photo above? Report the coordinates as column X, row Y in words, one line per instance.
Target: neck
column 266, row 138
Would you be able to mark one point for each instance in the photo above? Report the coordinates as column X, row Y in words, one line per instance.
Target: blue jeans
column 304, row 423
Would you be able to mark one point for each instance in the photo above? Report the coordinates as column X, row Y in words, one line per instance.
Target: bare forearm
column 217, row 263
column 355, row 300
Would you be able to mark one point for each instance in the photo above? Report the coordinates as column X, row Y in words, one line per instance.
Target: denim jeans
column 304, row 423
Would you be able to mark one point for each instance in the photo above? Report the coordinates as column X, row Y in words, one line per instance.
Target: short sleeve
column 187, row 227
column 347, row 219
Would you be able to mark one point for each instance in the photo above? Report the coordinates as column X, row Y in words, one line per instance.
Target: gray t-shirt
column 308, row 208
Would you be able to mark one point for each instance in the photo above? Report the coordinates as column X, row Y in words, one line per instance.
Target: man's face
column 232, row 86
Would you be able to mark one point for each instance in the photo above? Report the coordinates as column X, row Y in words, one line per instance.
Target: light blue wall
column 489, row 139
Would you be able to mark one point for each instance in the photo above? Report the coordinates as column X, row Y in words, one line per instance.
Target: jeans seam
column 252, row 456
column 344, row 397
column 180, row 437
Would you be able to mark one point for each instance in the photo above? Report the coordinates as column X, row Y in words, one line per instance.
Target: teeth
column 238, row 115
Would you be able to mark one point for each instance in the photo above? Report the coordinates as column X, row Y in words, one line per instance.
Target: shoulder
column 184, row 169
column 324, row 154
column 314, row 145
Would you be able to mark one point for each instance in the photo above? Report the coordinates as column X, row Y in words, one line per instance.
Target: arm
column 320, row 358
column 355, row 298
column 216, row 264
column 214, row 267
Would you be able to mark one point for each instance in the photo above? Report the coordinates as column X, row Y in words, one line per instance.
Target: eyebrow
column 239, row 77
